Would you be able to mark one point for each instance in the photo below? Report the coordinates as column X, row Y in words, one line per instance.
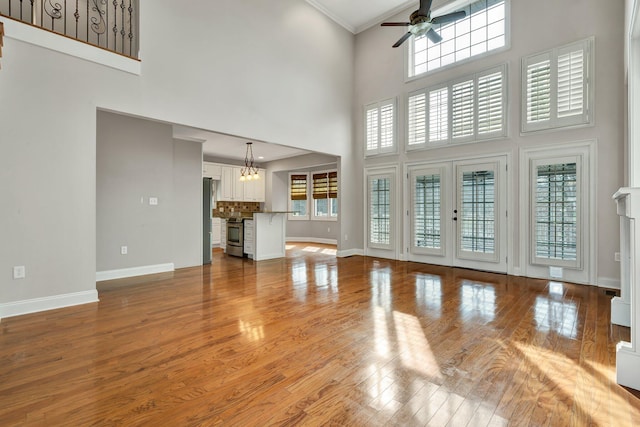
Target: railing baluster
column 130, row 29
column 108, row 23
column 76, row 15
column 122, row 33
column 115, row 25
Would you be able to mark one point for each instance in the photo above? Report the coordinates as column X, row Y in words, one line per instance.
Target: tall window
column 380, row 127
column 483, row 30
column 380, row 211
column 478, row 213
column 557, row 89
column 426, row 215
column 468, row 109
column 325, row 195
column 298, row 196
column 556, row 212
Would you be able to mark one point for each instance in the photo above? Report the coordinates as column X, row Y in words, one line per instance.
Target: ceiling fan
column 422, row 23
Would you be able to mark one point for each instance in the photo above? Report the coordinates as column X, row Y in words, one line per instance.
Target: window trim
column 313, row 212
column 586, row 150
column 376, row 249
column 290, row 215
column 394, row 144
column 450, row 140
column 448, row 8
column 586, row 118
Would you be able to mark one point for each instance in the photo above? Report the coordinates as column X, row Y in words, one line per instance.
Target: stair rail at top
column 108, row 24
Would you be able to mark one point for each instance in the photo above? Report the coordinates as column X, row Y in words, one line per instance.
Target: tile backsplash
column 238, row 206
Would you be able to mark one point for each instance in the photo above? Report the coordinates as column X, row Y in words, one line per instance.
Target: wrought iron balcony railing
column 109, row 24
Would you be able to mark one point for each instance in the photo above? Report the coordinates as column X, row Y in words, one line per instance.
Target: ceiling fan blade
column 425, row 7
column 402, row 39
column 395, row 24
column 433, row 36
column 449, row 17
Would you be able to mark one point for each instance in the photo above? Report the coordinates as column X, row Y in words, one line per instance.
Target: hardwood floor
column 315, row 340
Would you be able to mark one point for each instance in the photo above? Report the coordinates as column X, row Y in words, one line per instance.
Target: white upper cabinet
column 231, row 189
column 211, row 170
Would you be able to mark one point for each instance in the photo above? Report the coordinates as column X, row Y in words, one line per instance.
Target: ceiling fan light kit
column 422, row 24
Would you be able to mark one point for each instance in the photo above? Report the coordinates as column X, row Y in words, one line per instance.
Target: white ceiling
column 231, row 147
column 358, row 15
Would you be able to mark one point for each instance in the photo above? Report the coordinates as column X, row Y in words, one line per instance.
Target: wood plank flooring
column 314, row 340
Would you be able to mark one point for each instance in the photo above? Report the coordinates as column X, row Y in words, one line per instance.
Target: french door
column 457, row 214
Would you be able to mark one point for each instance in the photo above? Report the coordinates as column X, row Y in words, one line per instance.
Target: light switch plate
column 19, row 272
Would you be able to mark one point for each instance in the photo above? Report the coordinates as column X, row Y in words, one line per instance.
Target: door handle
column 455, row 218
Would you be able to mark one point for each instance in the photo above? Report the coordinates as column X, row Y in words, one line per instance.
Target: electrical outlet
column 19, row 272
column 346, row 237
column 153, row 201
column 123, row 250
column 328, row 229
column 616, row 256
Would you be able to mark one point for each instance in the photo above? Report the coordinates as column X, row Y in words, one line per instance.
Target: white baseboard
column 311, row 240
column 133, row 271
column 608, row 282
column 35, row 305
column 349, row 252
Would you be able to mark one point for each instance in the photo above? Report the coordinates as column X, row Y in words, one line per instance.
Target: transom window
column 380, row 128
column 468, row 109
column 483, row 30
column 557, row 88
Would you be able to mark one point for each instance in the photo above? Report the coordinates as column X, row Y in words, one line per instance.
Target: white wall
column 138, row 159
column 535, row 26
column 287, row 79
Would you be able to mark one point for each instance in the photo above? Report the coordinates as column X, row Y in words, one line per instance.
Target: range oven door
column 235, row 238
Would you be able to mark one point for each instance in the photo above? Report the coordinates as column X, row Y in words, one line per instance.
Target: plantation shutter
column 298, row 187
column 462, row 109
column 386, row 126
column 539, row 91
column 417, row 119
column 439, row 114
column 490, row 104
column 320, row 185
column 372, row 129
column 571, row 79
column 333, row 185
column 380, row 127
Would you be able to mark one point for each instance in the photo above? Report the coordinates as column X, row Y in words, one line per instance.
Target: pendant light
column 249, row 171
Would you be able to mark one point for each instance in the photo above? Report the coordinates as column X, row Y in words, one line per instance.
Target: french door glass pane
column 380, row 211
column 427, row 212
column 556, row 212
column 477, row 217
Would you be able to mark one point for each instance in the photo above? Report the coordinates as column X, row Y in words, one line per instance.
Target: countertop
column 244, row 215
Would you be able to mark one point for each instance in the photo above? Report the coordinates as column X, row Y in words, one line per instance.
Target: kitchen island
column 265, row 235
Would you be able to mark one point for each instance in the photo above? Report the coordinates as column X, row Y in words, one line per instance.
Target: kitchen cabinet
column 231, row 189
column 211, row 170
column 248, row 237
column 223, row 234
column 254, row 190
column 215, row 232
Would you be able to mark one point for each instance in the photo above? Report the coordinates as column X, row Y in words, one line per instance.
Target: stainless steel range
column 235, row 237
